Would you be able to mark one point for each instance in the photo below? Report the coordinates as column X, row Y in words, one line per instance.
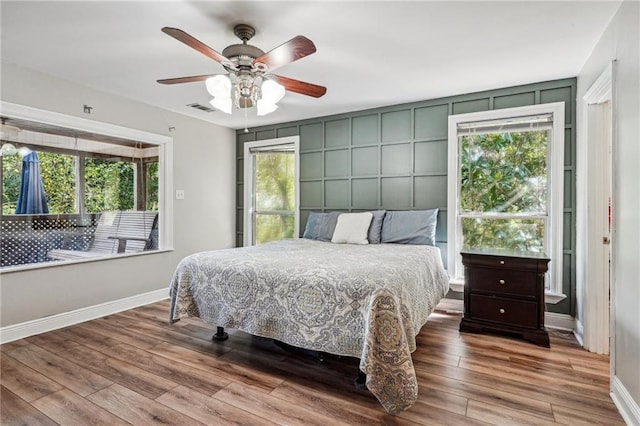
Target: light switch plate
column 179, row 194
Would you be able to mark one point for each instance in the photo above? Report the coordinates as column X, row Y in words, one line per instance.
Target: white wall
column 204, row 167
column 620, row 42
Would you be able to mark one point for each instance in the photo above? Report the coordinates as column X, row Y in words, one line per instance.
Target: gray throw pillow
column 410, row 227
column 376, row 226
column 320, row 226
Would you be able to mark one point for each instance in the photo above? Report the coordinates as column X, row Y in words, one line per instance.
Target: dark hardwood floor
column 136, row 368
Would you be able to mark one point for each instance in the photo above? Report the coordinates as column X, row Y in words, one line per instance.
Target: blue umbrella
column 32, row 199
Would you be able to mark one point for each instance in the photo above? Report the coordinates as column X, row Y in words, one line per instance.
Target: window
column 83, row 173
column 506, row 182
column 109, row 183
column 271, row 195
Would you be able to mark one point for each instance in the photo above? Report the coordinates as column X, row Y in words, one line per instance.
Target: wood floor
column 136, row 368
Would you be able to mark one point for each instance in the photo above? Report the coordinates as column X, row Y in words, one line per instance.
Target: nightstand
column 504, row 292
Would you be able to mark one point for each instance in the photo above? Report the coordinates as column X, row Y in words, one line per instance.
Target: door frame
column 595, row 186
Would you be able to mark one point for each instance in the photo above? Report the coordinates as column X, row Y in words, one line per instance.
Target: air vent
column 201, row 107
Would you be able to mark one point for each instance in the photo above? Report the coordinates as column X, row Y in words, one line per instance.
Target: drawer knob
column 502, row 262
column 501, row 282
column 501, row 310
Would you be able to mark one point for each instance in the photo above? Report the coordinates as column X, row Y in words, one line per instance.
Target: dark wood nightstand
column 504, row 292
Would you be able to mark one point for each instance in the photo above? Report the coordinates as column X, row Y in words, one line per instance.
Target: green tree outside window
column 109, row 185
column 274, row 192
column 504, row 190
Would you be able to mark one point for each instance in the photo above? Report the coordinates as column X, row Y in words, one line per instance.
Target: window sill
column 31, row 266
column 456, row 285
column 553, row 298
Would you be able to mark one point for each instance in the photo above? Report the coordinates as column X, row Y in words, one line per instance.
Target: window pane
column 109, row 185
column 152, row 185
column 275, row 181
column 508, row 234
column 270, row 227
column 57, row 173
column 11, row 167
column 58, row 179
column 504, row 172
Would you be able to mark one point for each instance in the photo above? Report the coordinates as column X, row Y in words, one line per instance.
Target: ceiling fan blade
column 185, row 79
column 302, row 87
column 292, row 50
column 199, row 46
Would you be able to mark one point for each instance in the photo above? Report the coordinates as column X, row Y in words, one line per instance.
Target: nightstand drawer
column 503, row 310
column 504, row 262
column 499, row 281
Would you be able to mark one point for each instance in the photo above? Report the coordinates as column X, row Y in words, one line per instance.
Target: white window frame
column 249, row 198
column 165, row 169
column 554, row 238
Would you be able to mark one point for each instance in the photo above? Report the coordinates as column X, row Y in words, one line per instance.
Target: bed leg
column 220, row 335
column 360, row 381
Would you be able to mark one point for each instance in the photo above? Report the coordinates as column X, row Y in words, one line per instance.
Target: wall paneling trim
column 395, row 158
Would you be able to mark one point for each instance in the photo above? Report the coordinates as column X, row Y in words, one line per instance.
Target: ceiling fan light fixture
column 222, row 104
column 272, row 92
column 265, row 107
column 219, row 87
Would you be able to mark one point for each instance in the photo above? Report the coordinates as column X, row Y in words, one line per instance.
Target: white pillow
column 352, row 228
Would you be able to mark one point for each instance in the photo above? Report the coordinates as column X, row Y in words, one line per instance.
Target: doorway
column 595, row 229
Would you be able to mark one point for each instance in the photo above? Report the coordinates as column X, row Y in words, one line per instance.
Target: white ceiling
column 369, row 54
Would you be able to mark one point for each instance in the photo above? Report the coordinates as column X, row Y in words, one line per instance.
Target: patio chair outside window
column 116, row 233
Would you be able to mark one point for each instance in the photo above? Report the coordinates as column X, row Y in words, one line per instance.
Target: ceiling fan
column 249, row 81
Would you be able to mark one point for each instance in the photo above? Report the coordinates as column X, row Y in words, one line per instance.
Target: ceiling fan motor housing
column 242, row 54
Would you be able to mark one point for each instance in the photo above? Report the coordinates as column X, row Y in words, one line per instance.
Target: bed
column 367, row 301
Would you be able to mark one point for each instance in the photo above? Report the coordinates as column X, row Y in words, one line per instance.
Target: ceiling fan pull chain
column 246, row 130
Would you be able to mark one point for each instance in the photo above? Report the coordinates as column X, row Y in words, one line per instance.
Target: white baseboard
column 628, row 408
column 457, row 286
column 551, row 319
column 559, row 321
column 579, row 333
column 65, row 319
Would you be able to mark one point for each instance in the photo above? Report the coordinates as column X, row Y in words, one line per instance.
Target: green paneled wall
column 396, row 158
